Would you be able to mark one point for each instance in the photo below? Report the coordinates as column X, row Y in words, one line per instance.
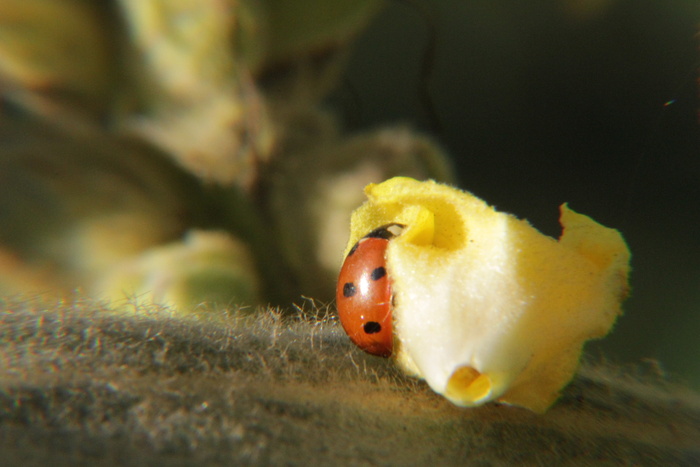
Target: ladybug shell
column 363, row 295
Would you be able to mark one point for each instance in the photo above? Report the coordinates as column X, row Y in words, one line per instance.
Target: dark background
column 593, row 102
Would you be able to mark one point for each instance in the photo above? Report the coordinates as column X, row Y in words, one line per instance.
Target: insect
column 364, row 295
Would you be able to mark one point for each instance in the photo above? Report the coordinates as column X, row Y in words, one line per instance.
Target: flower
column 485, row 306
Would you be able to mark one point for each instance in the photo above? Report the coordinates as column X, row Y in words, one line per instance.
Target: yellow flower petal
column 486, row 307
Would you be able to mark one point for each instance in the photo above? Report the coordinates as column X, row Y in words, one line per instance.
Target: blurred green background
column 592, row 102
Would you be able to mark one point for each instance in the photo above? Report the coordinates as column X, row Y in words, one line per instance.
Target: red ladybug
column 363, row 293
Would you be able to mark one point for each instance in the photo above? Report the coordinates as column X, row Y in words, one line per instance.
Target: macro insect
column 364, row 295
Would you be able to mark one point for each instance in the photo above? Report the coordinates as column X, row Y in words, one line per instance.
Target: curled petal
column 486, row 307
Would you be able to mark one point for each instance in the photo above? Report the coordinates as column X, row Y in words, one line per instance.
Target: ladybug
column 363, row 294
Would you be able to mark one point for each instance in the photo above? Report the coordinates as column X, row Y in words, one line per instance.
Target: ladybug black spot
column 372, row 327
column 378, row 273
column 349, row 289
